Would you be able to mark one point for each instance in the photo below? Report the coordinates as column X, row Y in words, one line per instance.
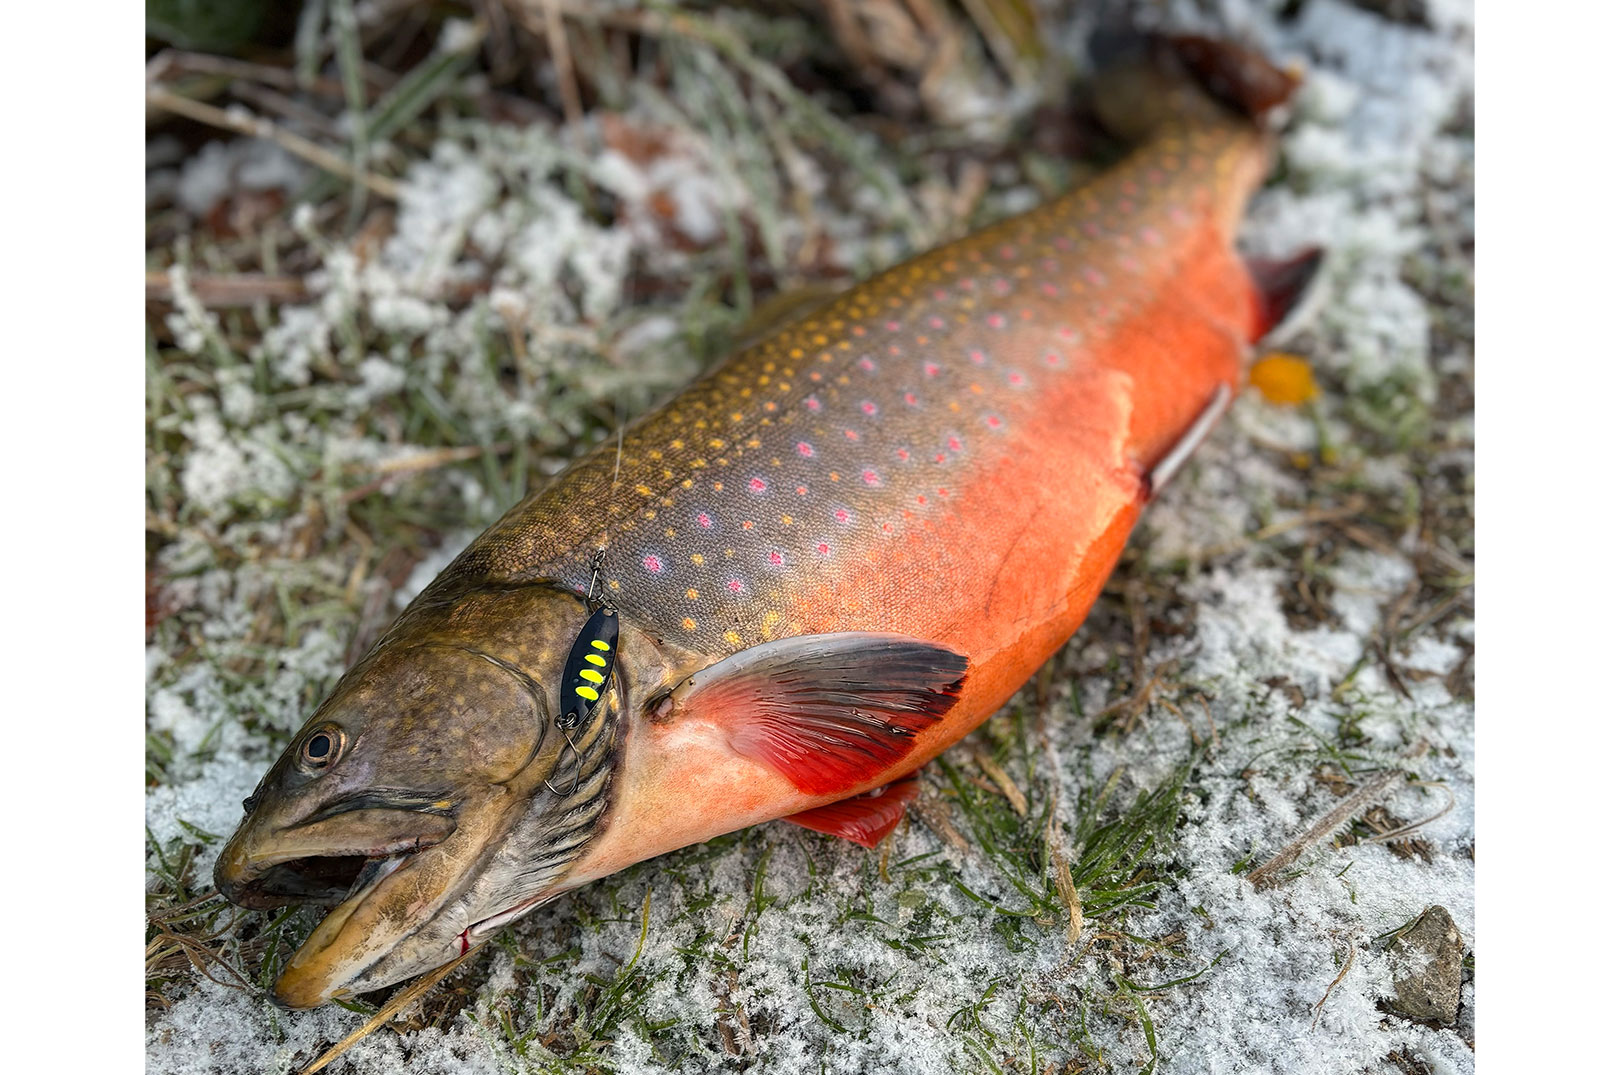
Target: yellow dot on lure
column 596, row 659
column 592, row 674
column 597, row 643
column 587, row 693
column 1284, row 379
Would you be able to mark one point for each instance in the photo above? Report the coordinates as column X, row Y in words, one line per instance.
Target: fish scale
column 839, row 447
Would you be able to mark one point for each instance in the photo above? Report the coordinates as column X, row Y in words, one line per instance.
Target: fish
column 813, row 570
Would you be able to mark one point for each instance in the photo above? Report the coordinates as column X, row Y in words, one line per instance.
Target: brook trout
column 812, row 571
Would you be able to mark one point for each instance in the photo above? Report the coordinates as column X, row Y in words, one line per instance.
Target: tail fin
column 1146, row 80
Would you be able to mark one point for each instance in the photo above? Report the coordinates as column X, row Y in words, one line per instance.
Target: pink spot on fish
column 1093, row 276
column 1049, row 289
column 841, row 515
column 1001, row 285
column 1053, row 358
column 867, row 364
column 851, row 434
column 976, row 357
column 734, row 585
column 967, row 283
column 1008, row 252
column 704, row 521
column 1050, row 265
column 775, row 558
column 802, row 490
column 823, row 548
column 940, row 458
column 911, row 399
column 940, row 294
column 1067, row 334
column 921, row 499
column 869, row 477
column 993, row 422
column 1092, row 229
column 805, row 450
column 868, row 407
column 954, row 444
column 995, row 320
column 756, row 485
column 904, row 455
column 1015, row 379
column 1151, row 236
column 652, row 563
column 812, row 403
column 892, row 326
column 931, row 369
column 1063, row 242
column 936, row 322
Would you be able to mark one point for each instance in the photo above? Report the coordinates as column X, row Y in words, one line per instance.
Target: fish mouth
column 331, row 857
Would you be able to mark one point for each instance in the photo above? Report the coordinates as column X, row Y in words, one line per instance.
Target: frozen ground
column 1294, row 617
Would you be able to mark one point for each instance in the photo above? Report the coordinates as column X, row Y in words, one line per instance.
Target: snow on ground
column 793, row 952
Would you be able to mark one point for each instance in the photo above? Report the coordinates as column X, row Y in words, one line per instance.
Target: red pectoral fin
column 865, row 819
column 1279, row 286
column 826, row 711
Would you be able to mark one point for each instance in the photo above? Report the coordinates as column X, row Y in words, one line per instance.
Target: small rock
column 1428, row 967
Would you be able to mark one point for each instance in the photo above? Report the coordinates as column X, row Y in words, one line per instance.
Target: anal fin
column 826, row 711
column 1182, row 450
column 866, row 819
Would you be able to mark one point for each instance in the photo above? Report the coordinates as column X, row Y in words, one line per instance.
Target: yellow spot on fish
column 697, row 558
column 643, row 490
column 442, row 804
column 613, row 584
column 587, row 693
column 691, row 593
column 787, row 520
column 596, row 659
column 597, row 643
column 733, row 637
column 1284, row 379
column 689, row 623
column 591, row 674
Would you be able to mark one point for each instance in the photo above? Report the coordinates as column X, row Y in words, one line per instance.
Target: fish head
column 433, row 797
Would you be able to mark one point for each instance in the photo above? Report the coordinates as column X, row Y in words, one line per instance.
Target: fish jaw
column 366, row 941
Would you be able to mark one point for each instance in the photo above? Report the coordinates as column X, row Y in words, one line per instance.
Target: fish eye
column 321, row 747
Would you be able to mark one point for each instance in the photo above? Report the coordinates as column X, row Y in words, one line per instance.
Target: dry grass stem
column 1004, row 783
column 243, row 122
column 219, row 292
column 1331, row 822
column 395, row 1005
column 1349, row 961
column 1311, row 517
